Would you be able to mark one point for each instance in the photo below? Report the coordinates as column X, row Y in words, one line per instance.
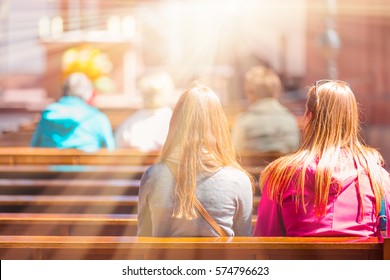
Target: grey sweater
column 226, row 195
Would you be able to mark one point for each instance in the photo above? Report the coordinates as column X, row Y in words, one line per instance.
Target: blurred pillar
column 329, row 40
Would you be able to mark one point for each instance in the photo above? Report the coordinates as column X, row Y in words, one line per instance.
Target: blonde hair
column 332, row 126
column 199, row 133
column 261, row 82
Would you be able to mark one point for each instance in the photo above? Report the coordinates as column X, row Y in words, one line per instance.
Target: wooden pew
column 138, row 248
column 69, row 204
column 70, row 224
column 68, row 187
column 76, row 196
column 83, row 171
column 99, row 204
column 386, row 248
column 257, row 159
column 33, row 163
column 52, row 156
column 116, row 116
column 72, row 171
column 55, row 195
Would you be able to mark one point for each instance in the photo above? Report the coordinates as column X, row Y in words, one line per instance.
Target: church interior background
column 116, row 41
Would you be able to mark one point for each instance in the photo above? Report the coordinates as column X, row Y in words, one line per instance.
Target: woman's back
column 226, row 195
column 198, row 146
column 343, row 215
column 334, row 184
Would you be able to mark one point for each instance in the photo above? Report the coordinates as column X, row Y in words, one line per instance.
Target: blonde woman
column 333, row 185
column 197, row 161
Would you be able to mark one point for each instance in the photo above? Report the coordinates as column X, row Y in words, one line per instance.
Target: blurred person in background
column 71, row 122
column 147, row 129
column 266, row 125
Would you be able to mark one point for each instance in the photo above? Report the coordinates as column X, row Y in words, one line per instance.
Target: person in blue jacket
column 71, row 122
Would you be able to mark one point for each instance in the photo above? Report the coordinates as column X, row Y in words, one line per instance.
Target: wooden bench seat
column 126, row 247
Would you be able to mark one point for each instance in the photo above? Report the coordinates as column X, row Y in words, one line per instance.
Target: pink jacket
column 342, row 216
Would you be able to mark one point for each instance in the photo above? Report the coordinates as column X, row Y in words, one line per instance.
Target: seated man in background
column 266, row 125
column 71, row 122
column 147, row 129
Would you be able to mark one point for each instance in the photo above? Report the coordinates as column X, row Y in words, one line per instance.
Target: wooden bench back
column 48, row 192
column 65, row 224
column 96, row 172
column 113, row 247
column 52, row 156
column 29, row 185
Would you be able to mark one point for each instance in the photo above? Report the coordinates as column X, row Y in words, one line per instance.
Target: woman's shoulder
column 156, row 171
column 231, row 180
